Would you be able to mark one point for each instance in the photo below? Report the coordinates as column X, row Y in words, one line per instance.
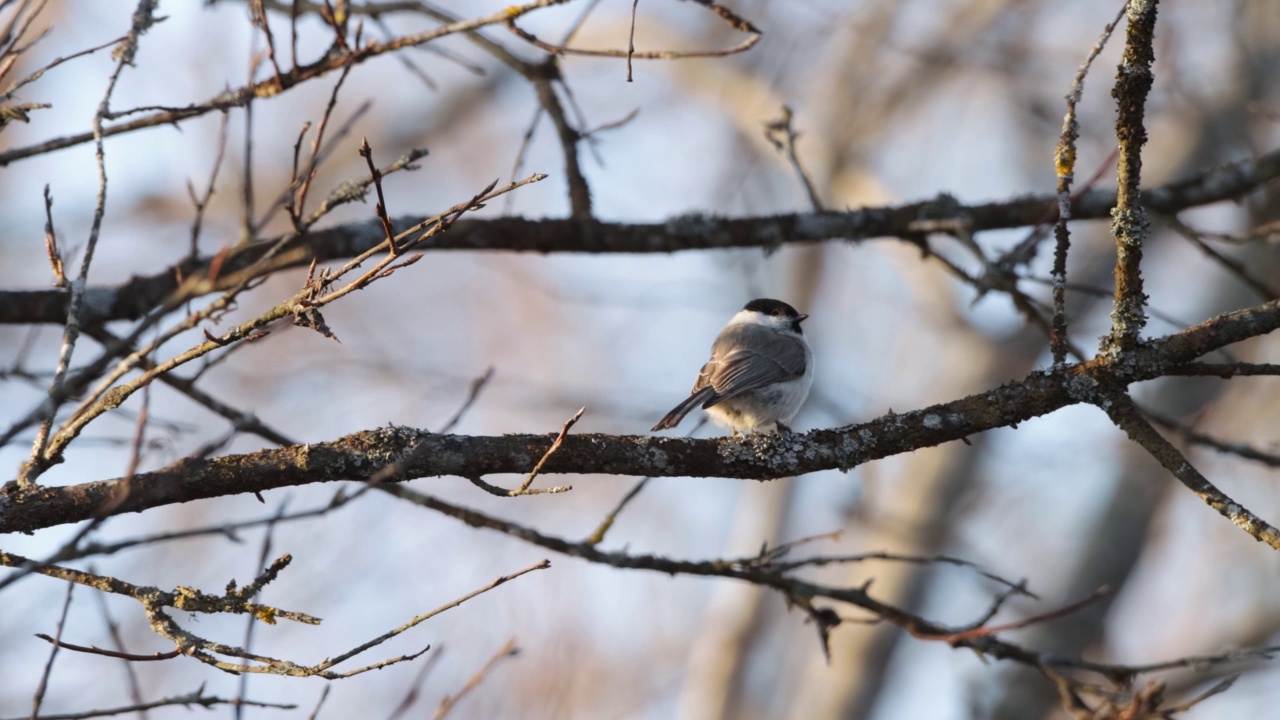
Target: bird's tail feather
column 677, row 413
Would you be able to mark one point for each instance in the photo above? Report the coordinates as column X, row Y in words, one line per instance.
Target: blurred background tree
column 233, row 127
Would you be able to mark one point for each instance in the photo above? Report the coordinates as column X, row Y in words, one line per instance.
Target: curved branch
column 424, row 454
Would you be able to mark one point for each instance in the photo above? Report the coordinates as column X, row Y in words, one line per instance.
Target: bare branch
column 413, row 453
column 194, row 698
column 1129, row 418
column 684, row 233
column 1064, row 157
column 1130, row 223
column 509, row 650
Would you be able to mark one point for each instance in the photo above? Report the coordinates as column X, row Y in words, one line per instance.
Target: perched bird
column 759, row 373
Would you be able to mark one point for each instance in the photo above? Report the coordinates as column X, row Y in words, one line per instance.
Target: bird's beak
column 802, row 318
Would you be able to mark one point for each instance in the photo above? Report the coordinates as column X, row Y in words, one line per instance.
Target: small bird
column 759, row 373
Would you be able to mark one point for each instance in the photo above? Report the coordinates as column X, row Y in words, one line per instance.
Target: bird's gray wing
column 747, row 357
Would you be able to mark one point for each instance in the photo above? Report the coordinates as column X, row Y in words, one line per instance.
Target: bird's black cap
column 777, row 308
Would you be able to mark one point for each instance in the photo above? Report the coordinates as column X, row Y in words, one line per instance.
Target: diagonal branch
column 1126, row 415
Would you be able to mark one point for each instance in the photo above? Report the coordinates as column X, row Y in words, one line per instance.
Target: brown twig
column 251, row 623
column 597, row 537
column 1064, row 157
column 1230, row 264
column 1068, row 609
column 1242, row 450
column 298, row 201
column 631, row 38
column 113, row 631
column 734, row 21
column 500, row 580
column 555, row 445
column 355, row 189
column 51, row 242
column 185, row 599
column 307, row 301
column 143, row 18
column 92, row 650
column 447, row 703
column 473, row 394
column 579, row 191
column 17, row 85
column 1226, row 370
column 324, row 695
column 782, row 135
column 381, row 208
column 415, row 687
column 43, row 685
column 195, row 698
column 201, row 203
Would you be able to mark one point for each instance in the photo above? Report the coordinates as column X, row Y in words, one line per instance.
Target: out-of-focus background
column 896, row 101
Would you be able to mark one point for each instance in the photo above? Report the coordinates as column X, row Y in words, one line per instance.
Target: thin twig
column 195, row 698
column 473, row 393
column 1064, row 157
column 380, row 209
column 324, row 695
column 415, row 687
column 38, row 700
column 540, row 565
column 143, row 18
column 1242, row 450
column 91, row 650
column 1036, row 619
column 787, row 144
column 555, row 445
column 51, row 242
column 241, row 97
column 734, row 21
column 263, row 555
column 447, row 703
column 113, row 631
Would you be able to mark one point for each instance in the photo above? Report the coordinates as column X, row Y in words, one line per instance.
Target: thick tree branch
column 359, row 456
column 191, row 278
